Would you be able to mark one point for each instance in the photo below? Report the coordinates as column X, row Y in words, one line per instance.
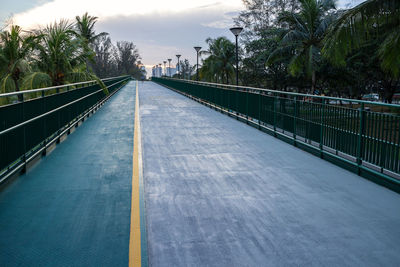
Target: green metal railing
column 28, row 127
column 361, row 136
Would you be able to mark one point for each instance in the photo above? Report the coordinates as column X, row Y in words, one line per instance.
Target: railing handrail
column 56, row 109
column 55, row 87
column 228, row 86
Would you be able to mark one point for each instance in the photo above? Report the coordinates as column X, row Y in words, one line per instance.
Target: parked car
column 371, row 97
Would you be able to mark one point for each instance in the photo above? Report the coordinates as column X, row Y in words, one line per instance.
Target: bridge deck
column 73, row 208
column 217, row 192
column 221, row 193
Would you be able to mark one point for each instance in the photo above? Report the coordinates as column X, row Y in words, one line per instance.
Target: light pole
column 165, row 68
column 179, row 65
column 169, row 66
column 159, row 64
column 197, row 48
column 236, row 31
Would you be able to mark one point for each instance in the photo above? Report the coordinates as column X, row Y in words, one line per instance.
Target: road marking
column 137, row 254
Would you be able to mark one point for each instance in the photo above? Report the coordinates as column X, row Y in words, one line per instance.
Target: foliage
column 262, row 14
column 373, row 21
column 61, row 53
column 186, row 69
column 85, row 28
column 218, row 66
column 15, row 49
column 304, row 37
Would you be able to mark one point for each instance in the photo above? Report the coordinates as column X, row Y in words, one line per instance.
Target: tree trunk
column 390, row 89
column 20, row 96
column 313, row 80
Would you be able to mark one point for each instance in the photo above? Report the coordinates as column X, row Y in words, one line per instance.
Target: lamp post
column 165, row 68
column 179, row 65
column 197, row 48
column 160, row 65
column 169, row 66
column 236, row 31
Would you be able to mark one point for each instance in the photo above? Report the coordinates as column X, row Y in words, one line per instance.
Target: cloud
column 223, row 23
column 348, row 3
column 160, row 29
column 56, row 9
column 163, row 36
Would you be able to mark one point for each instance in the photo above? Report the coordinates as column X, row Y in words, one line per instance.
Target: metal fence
column 359, row 135
column 27, row 128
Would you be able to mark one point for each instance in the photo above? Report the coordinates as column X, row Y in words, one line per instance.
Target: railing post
column 321, row 134
column 259, row 109
column 44, row 126
column 59, row 121
column 229, row 100
column 294, row 120
column 274, row 111
column 360, row 138
column 24, row 132
column 247, row 105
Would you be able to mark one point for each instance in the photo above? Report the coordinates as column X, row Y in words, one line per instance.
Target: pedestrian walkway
column 221, row 193
column 211, row 191
column 74, row 207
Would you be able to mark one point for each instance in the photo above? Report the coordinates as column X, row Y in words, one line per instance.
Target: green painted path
column 73, row 208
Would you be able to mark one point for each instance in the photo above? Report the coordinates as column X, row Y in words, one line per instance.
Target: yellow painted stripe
column 134, row 241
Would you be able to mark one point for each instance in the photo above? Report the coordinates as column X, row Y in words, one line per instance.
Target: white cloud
column 57, row 9
column 159, row 28
column 223, row 23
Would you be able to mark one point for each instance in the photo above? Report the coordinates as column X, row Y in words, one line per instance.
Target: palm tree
column 84, row 26
column 61, row 58
column 372, row 20
column 15, row 50
column 218, row 66
column 61, row 55
column 304, row 37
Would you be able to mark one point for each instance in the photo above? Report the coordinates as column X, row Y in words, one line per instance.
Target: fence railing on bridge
column 361, row 136
column 29, row 127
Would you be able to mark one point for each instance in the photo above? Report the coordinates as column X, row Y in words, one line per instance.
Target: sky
column 159, row 28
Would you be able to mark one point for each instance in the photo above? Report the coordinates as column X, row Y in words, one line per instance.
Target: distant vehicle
column 396, row 98
column 371, row 97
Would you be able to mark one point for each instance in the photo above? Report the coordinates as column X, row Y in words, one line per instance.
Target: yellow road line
column 134, row 241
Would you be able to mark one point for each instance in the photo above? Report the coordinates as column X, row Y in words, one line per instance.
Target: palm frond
column 35, row 80
column 389, row 53
column 7, row 84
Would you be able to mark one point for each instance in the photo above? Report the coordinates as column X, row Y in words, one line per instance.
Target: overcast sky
column 159, row 28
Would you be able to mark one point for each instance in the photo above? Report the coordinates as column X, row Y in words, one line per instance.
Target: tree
column 186, row 69
column 305, row 34
column 218, row 66
column 61, row 55
column 255, row 70
column 372, row 20
column 259, row 15
column 84, row 26
column 14, row 54
column 127, row 58
column 104, row 64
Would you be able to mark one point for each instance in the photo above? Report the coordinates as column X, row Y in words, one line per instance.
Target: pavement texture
column 221, row 193
column 73, row 207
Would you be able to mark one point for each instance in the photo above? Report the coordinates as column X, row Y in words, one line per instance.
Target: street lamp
column 197, row 48
column 165, row 68
column 236, row 31
column 179, row 66
column 159, row 64
column 169, row 66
